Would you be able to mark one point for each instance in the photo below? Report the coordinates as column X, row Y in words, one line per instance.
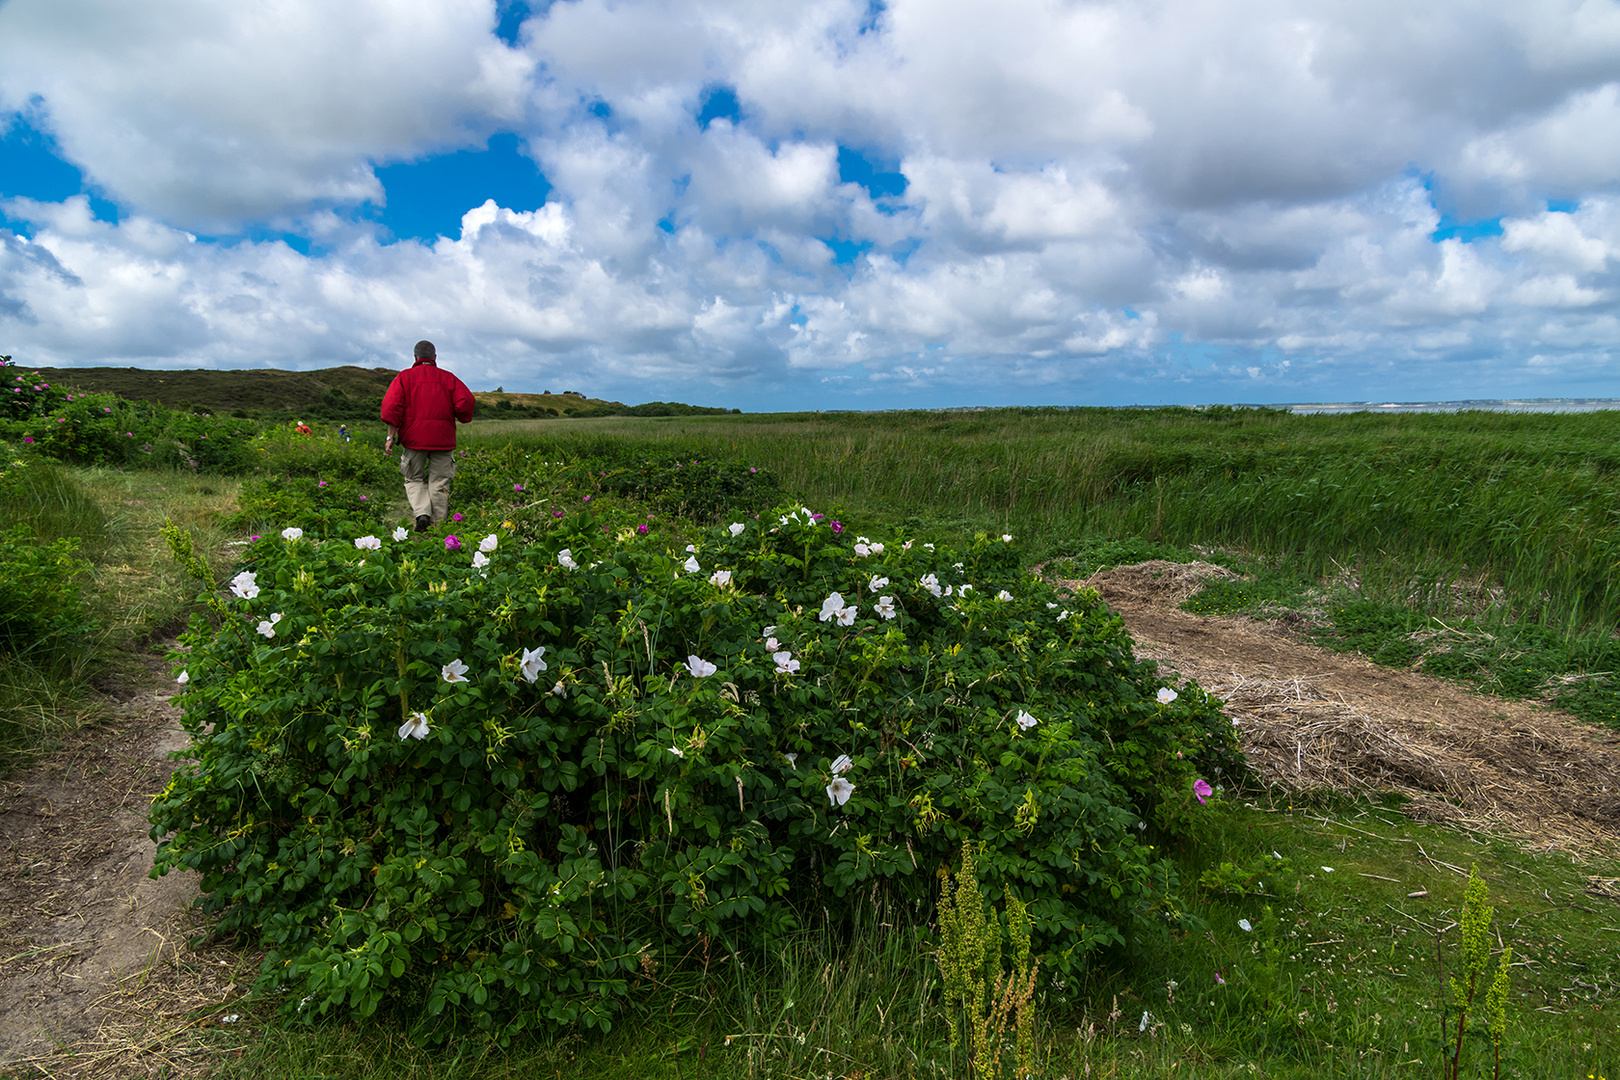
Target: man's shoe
column 423, row 523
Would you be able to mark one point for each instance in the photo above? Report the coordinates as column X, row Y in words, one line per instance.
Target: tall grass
column 1409, row 502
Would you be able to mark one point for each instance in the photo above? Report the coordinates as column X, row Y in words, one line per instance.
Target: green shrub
column 317, row 505
column 584, row 793
column 42, row 614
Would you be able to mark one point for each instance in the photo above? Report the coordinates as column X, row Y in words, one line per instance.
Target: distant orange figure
column 303, row 428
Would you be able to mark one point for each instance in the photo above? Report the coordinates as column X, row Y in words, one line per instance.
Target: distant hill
column 337, row 393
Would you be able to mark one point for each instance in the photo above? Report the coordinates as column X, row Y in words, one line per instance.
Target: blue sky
column 828, row 204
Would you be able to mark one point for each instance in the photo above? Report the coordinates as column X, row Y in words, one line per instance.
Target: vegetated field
column 1380, row 523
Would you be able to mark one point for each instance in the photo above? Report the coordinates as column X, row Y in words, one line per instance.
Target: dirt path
column 96, row 976
column 1311, row 718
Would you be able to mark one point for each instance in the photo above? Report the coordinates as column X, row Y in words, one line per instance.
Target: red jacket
column 425, row 403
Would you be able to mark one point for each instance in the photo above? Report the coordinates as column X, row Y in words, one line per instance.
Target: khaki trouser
column 427, row 481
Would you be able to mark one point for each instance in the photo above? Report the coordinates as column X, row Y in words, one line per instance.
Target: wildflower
column 1004, row 595
column 863, row 549
column 183, row 678
column 556, row 513
column 837, row 528
column 768, row 630
column 691, row 549
column 875, row 583
column 1146, row 1017
column 699, row 667
column 839, row 791
column 480, row 560
column 1167, row 695
column 531, row 664
column 1220, row 980
column 559, row 690
column 785, row 664
column 842, row 764
column 1202, row 789
column 884, row 607
column 677, row 751
column 28, row 438
column 1064, row 614
column 489, row 543
column 771, row 644
column 1050, row 606
column 793, row 760
column 588, row 498
column 691, row 564
column 414, row 728
column 1243, row 924
column 455, row 671
column 320, row 483
column 456, row 517
column 1025, row 721
column 1006, row 538
column 517, row 488
column 565, row 559
column 244, row 585
column 831, row 605
column 1327, row 869
column 963, row 590
column 267, row 627
column 367, row 543
column 720, row 578
column 877, row 549
column 400, row 533
column 642, row 528
column 735, row 528
column 931, row 583
column 292, row 533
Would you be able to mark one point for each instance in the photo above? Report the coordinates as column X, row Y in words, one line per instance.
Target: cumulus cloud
column 1232, row 198
column 208, row 115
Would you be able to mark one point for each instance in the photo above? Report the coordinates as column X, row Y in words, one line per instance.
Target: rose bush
column 498, row 791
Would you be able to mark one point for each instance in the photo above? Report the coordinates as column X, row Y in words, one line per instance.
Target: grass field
column 1499, row 526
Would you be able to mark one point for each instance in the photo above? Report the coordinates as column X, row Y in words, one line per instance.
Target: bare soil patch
column 96, row 975
column 1310, row 718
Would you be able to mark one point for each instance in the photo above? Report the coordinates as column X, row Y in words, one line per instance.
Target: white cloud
column 1108, row 187
column 209, row 114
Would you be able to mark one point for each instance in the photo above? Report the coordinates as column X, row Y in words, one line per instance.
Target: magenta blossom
column 28, row 438
column 642, row 529
column 455, row 517
column 517, row 487
column 556, row 513
column 1202, row 790
column 587, row 498
column 452, row 543
column 320, row 484
column 837, row 527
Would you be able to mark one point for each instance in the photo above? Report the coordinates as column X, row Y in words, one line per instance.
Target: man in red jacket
column 421, row 409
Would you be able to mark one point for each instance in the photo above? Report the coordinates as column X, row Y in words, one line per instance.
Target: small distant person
column 343, row 432
column 421, row 408
column 303, row 428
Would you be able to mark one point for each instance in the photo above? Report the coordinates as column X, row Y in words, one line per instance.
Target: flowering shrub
column 494, row 783
column 318, row 504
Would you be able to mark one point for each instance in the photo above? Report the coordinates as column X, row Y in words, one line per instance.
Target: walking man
column 421, row 408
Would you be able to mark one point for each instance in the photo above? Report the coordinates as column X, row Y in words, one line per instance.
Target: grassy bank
column 1352, row 909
